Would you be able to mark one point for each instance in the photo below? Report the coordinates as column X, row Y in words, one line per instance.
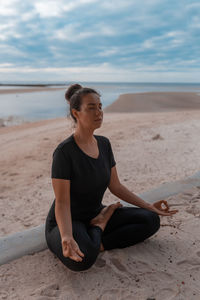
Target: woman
column 78, row 225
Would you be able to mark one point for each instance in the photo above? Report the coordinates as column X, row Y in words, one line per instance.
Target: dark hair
column 74, row 96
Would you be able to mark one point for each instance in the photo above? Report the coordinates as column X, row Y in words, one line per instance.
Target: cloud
column 160, row 36
column 8, row 7
column 72, row 33
column 103, row 71
column 53, row 8
column 6, row 65
column 109, row 52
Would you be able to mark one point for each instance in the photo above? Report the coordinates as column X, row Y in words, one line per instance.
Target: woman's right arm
column 63, row 218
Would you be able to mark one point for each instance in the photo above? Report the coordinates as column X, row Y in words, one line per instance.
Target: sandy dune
column 155, row 102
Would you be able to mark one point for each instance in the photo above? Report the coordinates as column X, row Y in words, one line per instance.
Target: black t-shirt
column 89, row 177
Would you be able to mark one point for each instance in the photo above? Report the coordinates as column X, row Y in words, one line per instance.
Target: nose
column 98, row 111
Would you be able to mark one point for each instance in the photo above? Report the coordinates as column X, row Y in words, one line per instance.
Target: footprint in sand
column 193, row 210
column 189, row 262
column 166, row 293
column 3, row 295
column 49, row 291
column 188, row 194
column 100, row 263
column 13, row 174
column 107, row 294
column 198, row 253
column 118, row 265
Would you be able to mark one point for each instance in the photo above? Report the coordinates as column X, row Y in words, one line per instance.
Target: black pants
column 126, row 227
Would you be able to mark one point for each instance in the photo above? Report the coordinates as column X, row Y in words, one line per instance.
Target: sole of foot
column 102, row 218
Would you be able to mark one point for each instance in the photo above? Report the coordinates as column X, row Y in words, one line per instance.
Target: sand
column 150, row 149
column 155, row 102
column 29, row 90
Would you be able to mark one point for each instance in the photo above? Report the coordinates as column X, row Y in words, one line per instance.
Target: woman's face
column 90, row 114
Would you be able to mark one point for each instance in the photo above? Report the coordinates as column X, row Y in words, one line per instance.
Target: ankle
column 102, row 226
column 101, row 247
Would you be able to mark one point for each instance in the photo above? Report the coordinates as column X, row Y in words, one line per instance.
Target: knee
column 154, row 221
column 86, row 263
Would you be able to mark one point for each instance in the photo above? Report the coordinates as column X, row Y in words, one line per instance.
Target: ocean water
column 20, row 107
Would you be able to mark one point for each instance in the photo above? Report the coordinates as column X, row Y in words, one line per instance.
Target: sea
column 29, row 107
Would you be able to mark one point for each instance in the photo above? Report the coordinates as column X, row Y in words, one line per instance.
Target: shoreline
column 148, row 102
column 29, row 90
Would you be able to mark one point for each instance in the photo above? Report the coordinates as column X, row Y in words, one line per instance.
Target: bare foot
column 101, row 247
column 102, row 218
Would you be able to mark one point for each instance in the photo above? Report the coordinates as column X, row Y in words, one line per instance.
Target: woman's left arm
column 120, row 191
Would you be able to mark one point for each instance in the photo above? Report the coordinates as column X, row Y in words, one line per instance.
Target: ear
column 75, row 113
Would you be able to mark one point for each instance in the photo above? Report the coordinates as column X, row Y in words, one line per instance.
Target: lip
column 98, row 120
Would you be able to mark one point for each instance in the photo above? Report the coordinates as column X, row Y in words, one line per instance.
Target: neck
column 84, row 135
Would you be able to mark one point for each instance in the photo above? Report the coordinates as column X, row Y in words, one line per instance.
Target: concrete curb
column 33, row 240
column 169, row 189
column 22, row 243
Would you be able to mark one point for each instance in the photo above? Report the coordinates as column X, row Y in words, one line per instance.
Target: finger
column 165, row 214
column 75, row 254
column 166, row 204
column 162, row 213
column 79, row 252
column 170, row 213
column 76, row 258
column 173, row 211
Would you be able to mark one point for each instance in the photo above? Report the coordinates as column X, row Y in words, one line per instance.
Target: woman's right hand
column 71, row 249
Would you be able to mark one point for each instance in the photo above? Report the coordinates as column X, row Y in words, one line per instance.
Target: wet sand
column 29, row 90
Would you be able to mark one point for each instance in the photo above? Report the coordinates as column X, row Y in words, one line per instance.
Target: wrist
column 66, row 237
column 150, row 206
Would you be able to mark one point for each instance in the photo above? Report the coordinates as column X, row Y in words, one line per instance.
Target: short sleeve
column 61, row 165
column 111, row 158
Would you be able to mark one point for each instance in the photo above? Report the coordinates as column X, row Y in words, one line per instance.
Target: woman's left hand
column 157, row 207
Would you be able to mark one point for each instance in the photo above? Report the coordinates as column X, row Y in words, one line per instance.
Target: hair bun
column 71, row 90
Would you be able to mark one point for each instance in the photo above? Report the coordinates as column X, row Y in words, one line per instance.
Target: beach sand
column 29, row 90
column 150, row 149
column 155, row 102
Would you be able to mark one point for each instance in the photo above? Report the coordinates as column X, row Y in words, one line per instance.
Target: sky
column 107, row 41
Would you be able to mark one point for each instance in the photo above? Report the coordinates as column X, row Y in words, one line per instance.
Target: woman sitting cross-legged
column 78, row 226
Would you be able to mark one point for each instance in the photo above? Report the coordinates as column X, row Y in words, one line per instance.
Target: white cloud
column 8, row 50
column 27, row 16
column 165, row 41
column 117, row 5
column 105, row 30
column 104, row 72
column 8, row 8
column 74, row 32
column 71, row 33
column 6, row 65
column 48, row 9
column 108, row 52
column 53, row 8
column 192, row 6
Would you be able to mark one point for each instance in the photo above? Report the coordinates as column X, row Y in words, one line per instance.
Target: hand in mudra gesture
column 163, row 211
column 71, row 249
